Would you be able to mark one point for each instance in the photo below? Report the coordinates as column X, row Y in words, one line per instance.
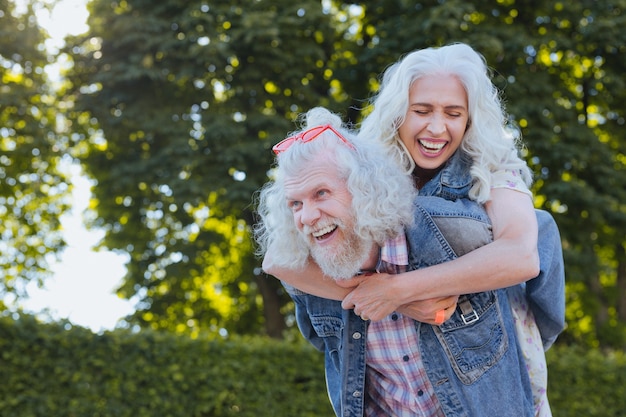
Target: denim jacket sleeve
column 316, row 322
column 546, row 292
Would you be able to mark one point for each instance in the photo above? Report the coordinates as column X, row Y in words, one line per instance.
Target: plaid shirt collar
column 394, row 256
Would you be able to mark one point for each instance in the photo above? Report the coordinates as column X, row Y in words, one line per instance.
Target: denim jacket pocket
column 476, row 340
column 329, row 328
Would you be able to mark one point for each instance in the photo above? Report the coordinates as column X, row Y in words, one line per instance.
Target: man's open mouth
column 324, row 232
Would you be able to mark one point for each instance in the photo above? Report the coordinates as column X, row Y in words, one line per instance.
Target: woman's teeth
column 432, row 146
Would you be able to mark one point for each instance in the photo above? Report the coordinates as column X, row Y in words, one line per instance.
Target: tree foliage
column 187, row 100
column 33, row 190
column 173, row 107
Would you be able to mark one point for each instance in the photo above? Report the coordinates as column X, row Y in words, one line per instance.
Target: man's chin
column 336, row 269
column 341, row 275
column 342, row 261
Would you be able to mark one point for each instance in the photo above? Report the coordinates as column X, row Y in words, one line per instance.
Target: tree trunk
column 621, row 283
column 270, row 291
column 602, row 313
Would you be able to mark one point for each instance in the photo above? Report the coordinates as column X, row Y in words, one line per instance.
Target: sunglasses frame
column 307, row 136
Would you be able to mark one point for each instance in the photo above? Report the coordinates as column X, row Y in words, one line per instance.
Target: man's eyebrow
column 310, row 190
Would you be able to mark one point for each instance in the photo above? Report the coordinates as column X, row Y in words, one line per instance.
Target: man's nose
column 309, row 214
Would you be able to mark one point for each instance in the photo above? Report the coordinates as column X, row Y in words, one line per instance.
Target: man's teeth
column 433, row 146
column 324, row 231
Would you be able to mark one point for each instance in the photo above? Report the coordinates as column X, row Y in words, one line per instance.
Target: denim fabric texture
column 546, row 292
column 472, row 361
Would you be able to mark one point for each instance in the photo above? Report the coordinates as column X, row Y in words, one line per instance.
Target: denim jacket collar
column 453, row 181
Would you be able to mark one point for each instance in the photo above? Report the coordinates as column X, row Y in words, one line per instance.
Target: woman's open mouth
column 430, row 147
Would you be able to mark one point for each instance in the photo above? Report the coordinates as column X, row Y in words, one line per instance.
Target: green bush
column 586, row 382
column 50, row 370
column 47, row 370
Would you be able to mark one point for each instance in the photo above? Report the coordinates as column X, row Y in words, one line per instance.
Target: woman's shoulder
column 511, row 179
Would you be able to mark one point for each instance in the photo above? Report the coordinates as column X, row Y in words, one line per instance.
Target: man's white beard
column 345, row 261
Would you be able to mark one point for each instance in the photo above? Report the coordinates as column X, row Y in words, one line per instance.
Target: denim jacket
column 473, row 360
column 546, row 292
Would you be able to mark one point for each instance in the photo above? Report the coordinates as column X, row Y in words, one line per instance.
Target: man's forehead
column 321, row 172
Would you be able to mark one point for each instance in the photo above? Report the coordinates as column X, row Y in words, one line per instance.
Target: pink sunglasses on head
column 308, row 136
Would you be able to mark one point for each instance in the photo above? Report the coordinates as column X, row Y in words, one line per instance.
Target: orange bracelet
column 440, row 317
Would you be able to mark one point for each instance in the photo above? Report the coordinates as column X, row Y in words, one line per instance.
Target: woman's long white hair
column 488, row 139
column 382, row 193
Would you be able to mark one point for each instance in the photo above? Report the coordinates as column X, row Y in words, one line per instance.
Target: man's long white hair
column 488, row 139
column 382, row 192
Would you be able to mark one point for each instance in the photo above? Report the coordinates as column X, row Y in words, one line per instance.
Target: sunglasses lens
column 312, row 133
column 307, row 136
column 283, row 145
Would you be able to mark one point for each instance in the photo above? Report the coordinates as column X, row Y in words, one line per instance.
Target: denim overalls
column 473, row 360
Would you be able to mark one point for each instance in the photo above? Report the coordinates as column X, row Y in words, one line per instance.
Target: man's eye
column 294, row 205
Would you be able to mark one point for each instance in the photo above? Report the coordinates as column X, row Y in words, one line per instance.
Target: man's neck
column 372, row 261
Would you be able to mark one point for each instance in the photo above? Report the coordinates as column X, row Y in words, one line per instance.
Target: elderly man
column 344, row 204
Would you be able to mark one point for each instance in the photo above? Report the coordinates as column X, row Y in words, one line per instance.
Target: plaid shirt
column 396, row 382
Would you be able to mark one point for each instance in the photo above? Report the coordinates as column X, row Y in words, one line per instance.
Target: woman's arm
column 310, row 279
column 510, row 259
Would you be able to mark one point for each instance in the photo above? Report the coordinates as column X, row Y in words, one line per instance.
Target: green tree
column 582, row 172
column 33, row 191
column 186, row 100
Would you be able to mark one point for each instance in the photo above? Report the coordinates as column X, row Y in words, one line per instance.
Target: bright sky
column 82, row 288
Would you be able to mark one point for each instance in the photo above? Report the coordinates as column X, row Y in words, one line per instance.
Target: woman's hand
column 374, row 298
column 371, row 299
column 426, row 310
